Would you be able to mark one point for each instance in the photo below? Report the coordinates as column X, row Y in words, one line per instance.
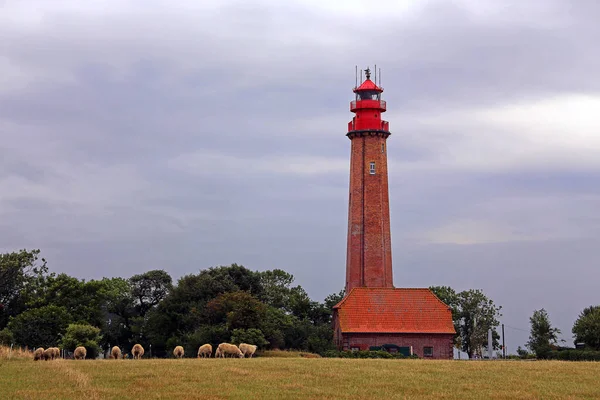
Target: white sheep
column 230, row 349
column 80, row 353
column 137, row 351
column 205, row 350
column 38, row 354
column 115, row 353
column 178, row 352
column 247, row 349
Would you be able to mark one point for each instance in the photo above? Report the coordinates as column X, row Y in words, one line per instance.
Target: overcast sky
column 138, row 135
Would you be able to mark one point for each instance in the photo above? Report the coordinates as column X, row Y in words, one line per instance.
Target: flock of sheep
column 224, row 350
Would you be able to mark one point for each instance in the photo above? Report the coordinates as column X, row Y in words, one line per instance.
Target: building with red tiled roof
column 412, row 318
column 374, row 313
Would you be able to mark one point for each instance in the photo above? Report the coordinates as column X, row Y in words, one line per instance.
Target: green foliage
column 250, row 336
column 83, row 300
column 451, row 299
column 6, row 337
column 40, row 326
column 211, row 334
column 543, row 336
column 574, row 355
column 238, row 310
column 587, row 328
column 209, row 307
column 18, row 270
column 149, row 289
column 366, row 354
column 84, row 335
column 473, row 314
column 524, row 354
column 275, row 288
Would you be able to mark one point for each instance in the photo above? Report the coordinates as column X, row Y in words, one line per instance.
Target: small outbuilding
column 412, row 319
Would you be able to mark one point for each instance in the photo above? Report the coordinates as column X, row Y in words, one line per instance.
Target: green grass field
column 297, row 378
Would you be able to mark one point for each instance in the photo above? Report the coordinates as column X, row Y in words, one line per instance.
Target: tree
column 542, row 335
column 83, row 300
column 473, row 315
column 449, row 296
column 119, row 310
column 150, row 288
column 477, row 314
column 238, row 310
column 6, row 337
column 586, row 328
column 84, row 335
column 17, row 271
column 334, row 298
column 275, row 287
column 40, row 327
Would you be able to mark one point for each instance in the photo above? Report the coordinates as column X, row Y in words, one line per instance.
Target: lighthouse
column 369, row 250
column 375, row 315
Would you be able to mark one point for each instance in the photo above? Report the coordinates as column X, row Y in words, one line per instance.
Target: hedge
column 365, row 354
column 574, row 355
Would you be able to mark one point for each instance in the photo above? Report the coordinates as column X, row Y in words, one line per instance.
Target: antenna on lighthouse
column 376, row 74
column 355, row 76
column 361, row 76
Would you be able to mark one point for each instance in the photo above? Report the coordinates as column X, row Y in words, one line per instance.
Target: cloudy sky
column 181, row 135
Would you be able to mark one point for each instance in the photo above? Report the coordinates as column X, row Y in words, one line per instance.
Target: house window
column 427, row 351
column 372, row 168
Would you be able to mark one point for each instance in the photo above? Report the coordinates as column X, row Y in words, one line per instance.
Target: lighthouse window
column 368, row 95
column 382, row 148
column 372, row 168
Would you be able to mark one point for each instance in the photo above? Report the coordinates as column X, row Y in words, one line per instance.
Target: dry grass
column 298, row 378
column 7, row 353
column 287, row 354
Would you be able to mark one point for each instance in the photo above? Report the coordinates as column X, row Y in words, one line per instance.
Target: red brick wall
column 369, row 252
column 441, row 343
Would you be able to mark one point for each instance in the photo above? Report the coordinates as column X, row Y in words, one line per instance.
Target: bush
column 6, row 337
column 84, row 335
column 574, row 355
column 211, row 334
column 365, row 354
column 40, row 327
column 250, row 336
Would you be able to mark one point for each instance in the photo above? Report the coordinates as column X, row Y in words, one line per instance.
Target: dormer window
column 372, row 168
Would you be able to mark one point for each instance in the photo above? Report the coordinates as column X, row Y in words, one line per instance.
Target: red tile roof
column 394, row 310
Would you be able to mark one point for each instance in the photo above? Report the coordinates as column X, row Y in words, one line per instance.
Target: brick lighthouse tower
column 369, row 253
column 375, row 315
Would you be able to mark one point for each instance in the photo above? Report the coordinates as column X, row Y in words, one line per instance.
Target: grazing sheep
column 178, row 352
column 230, row 349
column 38, row 354
column 137, row 351
column 115, row 353
column 80, row 353
column 205, row 350
column 49, row 354
column 247, row 349
column 56, row 353
column 219, row 353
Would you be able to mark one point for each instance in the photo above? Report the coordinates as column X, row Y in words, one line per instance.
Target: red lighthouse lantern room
column 368, row 107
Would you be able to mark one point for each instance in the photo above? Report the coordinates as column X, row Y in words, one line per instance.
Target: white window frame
column 372, row 168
